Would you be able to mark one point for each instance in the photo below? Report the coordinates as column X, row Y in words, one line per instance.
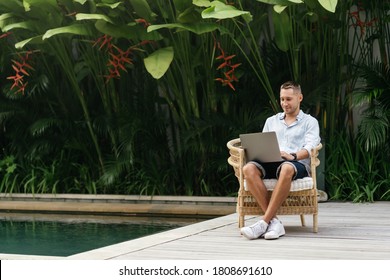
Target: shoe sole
column 273, row 237
column 276, row 236
column 250, row 237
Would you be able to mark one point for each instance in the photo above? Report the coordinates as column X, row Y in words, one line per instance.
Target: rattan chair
column 302, row 199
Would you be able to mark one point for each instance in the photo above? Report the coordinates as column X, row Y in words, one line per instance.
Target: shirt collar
column 299, row 116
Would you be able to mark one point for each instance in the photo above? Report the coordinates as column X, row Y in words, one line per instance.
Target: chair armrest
column 314, row 162
column 314, row 156
column 237, row 158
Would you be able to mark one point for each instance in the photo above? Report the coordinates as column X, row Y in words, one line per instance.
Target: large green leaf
column 198, row 28
column 329, row 5
column 6, row 16
column 142, row 9
column 189, row 15
column 82, row 2
column 283, row 30
column 281, row 5
column 14, row 6
column 76, row 29
column 279, row 8
column 47, row 13
column 32, row 40
column 182, row 5
column 111, row 6
column 219, row 10
column 202, row 3
column 28, row 25
column 281, row 2
column 81, row 16
column 41, row 4
column 6, row 19
column 158, row 62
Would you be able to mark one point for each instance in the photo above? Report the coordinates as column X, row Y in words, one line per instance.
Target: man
column 297, row 134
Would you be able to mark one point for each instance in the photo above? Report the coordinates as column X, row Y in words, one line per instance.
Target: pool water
column 65, row 236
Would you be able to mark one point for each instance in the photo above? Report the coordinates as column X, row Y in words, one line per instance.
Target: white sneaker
column 275, row 230
column 255, row 231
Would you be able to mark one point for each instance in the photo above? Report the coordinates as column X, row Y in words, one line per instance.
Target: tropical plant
column 8, row 168
column 141, row 96
column 353, row 173
column 371, row 96
column 65, row 50
column 102, row 114
column 374, row 91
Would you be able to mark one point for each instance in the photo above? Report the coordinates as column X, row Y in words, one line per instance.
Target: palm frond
column 42, row 125
column 374, row 128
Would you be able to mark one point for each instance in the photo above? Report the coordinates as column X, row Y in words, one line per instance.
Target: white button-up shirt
column 304, row 133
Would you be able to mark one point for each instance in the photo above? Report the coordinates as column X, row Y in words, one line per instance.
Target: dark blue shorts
column 271, row 170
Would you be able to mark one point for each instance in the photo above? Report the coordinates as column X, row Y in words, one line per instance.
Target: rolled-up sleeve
column 312, row 135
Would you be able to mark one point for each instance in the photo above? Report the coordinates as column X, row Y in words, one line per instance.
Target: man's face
column 290, row 101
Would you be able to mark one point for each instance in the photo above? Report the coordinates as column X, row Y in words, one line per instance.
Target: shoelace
column 273, row 225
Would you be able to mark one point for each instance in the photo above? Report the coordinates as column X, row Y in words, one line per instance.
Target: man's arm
column 312, row 135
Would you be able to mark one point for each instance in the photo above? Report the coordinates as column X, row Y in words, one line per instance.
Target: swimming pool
column 65, row 235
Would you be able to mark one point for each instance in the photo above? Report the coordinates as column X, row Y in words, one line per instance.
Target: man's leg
column 257, row 188
column 279, row 195
column 256, row 185
column 268, row 226
column 281, row 191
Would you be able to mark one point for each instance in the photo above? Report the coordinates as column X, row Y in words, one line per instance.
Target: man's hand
column 286, row 156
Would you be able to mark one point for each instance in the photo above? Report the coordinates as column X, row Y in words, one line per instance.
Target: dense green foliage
column 141, row 96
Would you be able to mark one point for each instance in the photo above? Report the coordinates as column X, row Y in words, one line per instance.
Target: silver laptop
column 261, row 146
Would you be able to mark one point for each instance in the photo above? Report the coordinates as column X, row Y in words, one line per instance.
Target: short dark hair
column 290, row 84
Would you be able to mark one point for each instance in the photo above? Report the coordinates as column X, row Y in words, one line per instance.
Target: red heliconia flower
column 229, row 74
column 105, row 40
column 118, row 58
column 358, row 22
column 21, row 68
column 226, row 82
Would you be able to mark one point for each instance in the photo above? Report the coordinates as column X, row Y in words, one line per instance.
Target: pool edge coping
column 127, row 247
column 190, row 206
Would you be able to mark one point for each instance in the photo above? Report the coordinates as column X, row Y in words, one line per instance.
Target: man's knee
column 250, row 170
column 287, row 170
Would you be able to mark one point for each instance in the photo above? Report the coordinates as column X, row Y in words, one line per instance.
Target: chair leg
column 303, row 220
column 241, row 221
column 315, row 223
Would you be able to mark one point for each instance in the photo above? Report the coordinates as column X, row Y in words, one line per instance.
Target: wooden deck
column 347, row 231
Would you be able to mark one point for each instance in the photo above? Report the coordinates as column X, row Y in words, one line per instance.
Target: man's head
column 293, row 85
column 290, row 97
